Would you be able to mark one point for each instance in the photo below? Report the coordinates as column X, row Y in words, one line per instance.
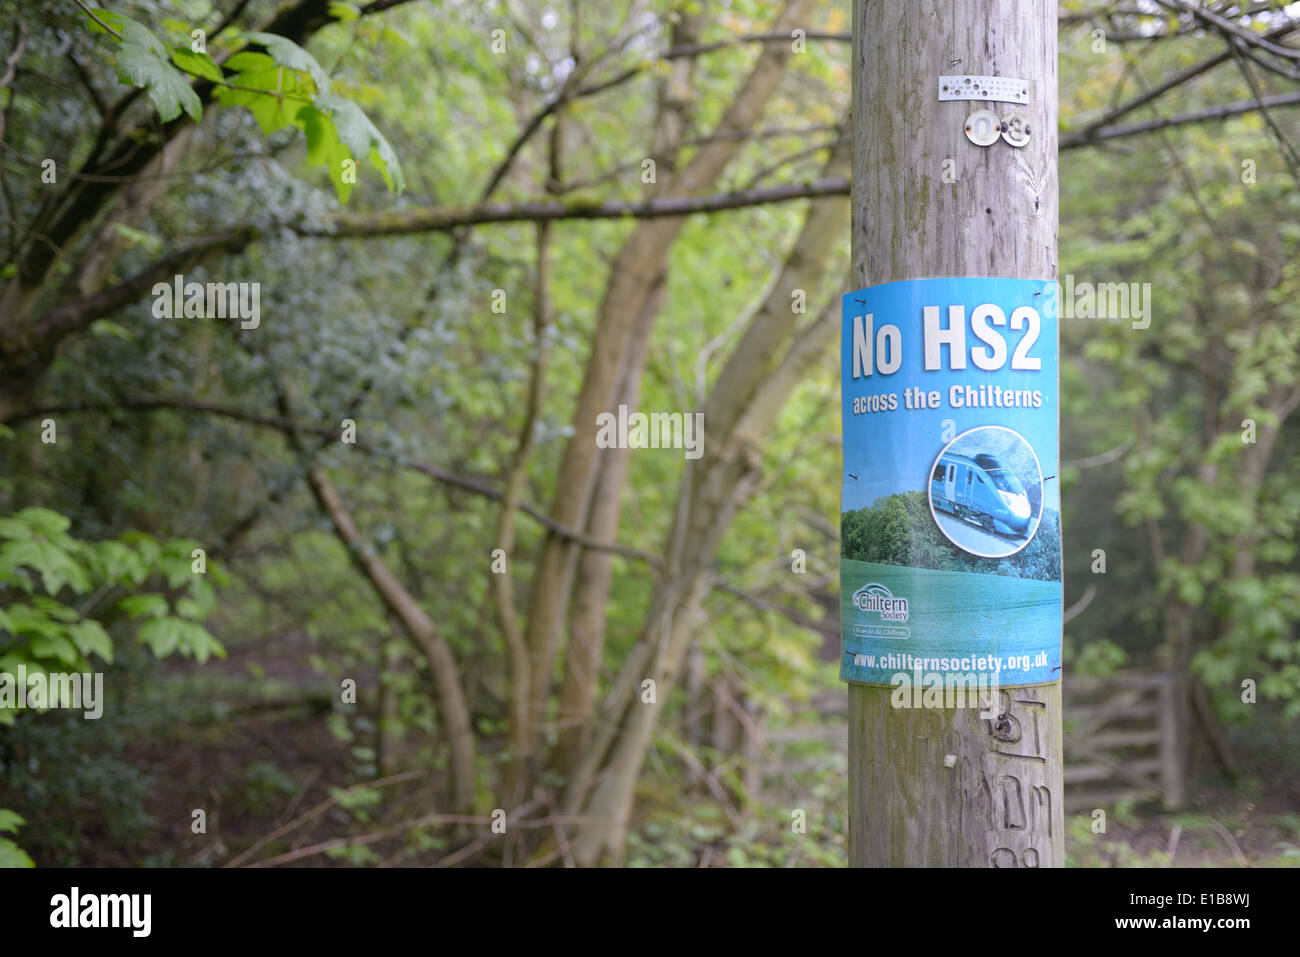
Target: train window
column 1006, row 480
column 938, row 473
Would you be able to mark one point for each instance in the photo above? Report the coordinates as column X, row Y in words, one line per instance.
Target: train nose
column 1018, row 505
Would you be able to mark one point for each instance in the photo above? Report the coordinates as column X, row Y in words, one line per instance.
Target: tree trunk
column 633, row 278
column 713, row 490
column 399, row 601
column 585, row 652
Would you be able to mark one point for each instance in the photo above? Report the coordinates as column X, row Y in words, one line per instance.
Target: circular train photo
column 986, row 491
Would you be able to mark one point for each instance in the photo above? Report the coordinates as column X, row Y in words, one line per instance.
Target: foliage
column 899, row 530
column 75, row 789
column 399, row 334
column 1206, row 487
column 285, row 86
column 11, row 855
column 40, row 633
column 1096, row 659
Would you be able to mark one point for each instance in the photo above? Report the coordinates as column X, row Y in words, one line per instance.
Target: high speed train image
column 981, row 490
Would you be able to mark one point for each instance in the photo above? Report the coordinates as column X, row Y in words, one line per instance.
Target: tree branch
column 1207, row 114
column 1176, row 80
column 464, row 482
column 403, row 605
column 68, row 317
column 443, row 218
column 1230, row 29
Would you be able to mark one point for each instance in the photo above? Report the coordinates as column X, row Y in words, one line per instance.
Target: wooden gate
column 1119, row 736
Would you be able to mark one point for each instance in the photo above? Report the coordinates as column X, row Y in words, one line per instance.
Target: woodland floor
column 255, row 761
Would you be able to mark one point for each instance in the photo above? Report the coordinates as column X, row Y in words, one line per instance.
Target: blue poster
column 950, row 514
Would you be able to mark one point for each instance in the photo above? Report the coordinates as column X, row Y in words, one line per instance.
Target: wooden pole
column 946, row 787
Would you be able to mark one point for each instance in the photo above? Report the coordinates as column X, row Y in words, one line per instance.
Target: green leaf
column 162, row 635
column 11, row 855
column 116, row 562
column 55, row 646
column 189, row 608
column 180, row 550
column 176, row 28
column 10, row 821
column 249, row 61
column 198, row 642
column 324, row 148
column 361, row 137
column 199, row 64
column 344, row 12
column 137, row 237
column 289, row 55
column 114, row 20
column 273, row 94
column 102, row 328
column 45, row 521
column 56, row 610
column 12, row 528
column 166, row 635
column 91, row 638
column 56, row 567
column 144, row 606
column 146, row 546
column 202, row 593
column 26, row 621
column 142, row 62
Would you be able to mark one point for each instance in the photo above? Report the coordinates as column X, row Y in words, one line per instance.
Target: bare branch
column 1230, row 29
column 91, row 13
column 73, row 315
column 1176, row 80
column 289, row 426
column 503, row 582
column 1288, row 150
column 1101, row 458
column 1204, row 115
column 443, row 218
column 11, row 64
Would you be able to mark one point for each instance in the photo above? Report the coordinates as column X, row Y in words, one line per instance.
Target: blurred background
column 363, row 586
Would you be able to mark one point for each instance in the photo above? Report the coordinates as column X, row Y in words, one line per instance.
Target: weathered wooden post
column 955, row 207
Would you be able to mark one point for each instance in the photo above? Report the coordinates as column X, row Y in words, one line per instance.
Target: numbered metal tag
column 1005, row 89
column 1015, row 128
column 983, row 128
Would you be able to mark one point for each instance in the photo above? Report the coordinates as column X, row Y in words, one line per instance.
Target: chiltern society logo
column 876, row 597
